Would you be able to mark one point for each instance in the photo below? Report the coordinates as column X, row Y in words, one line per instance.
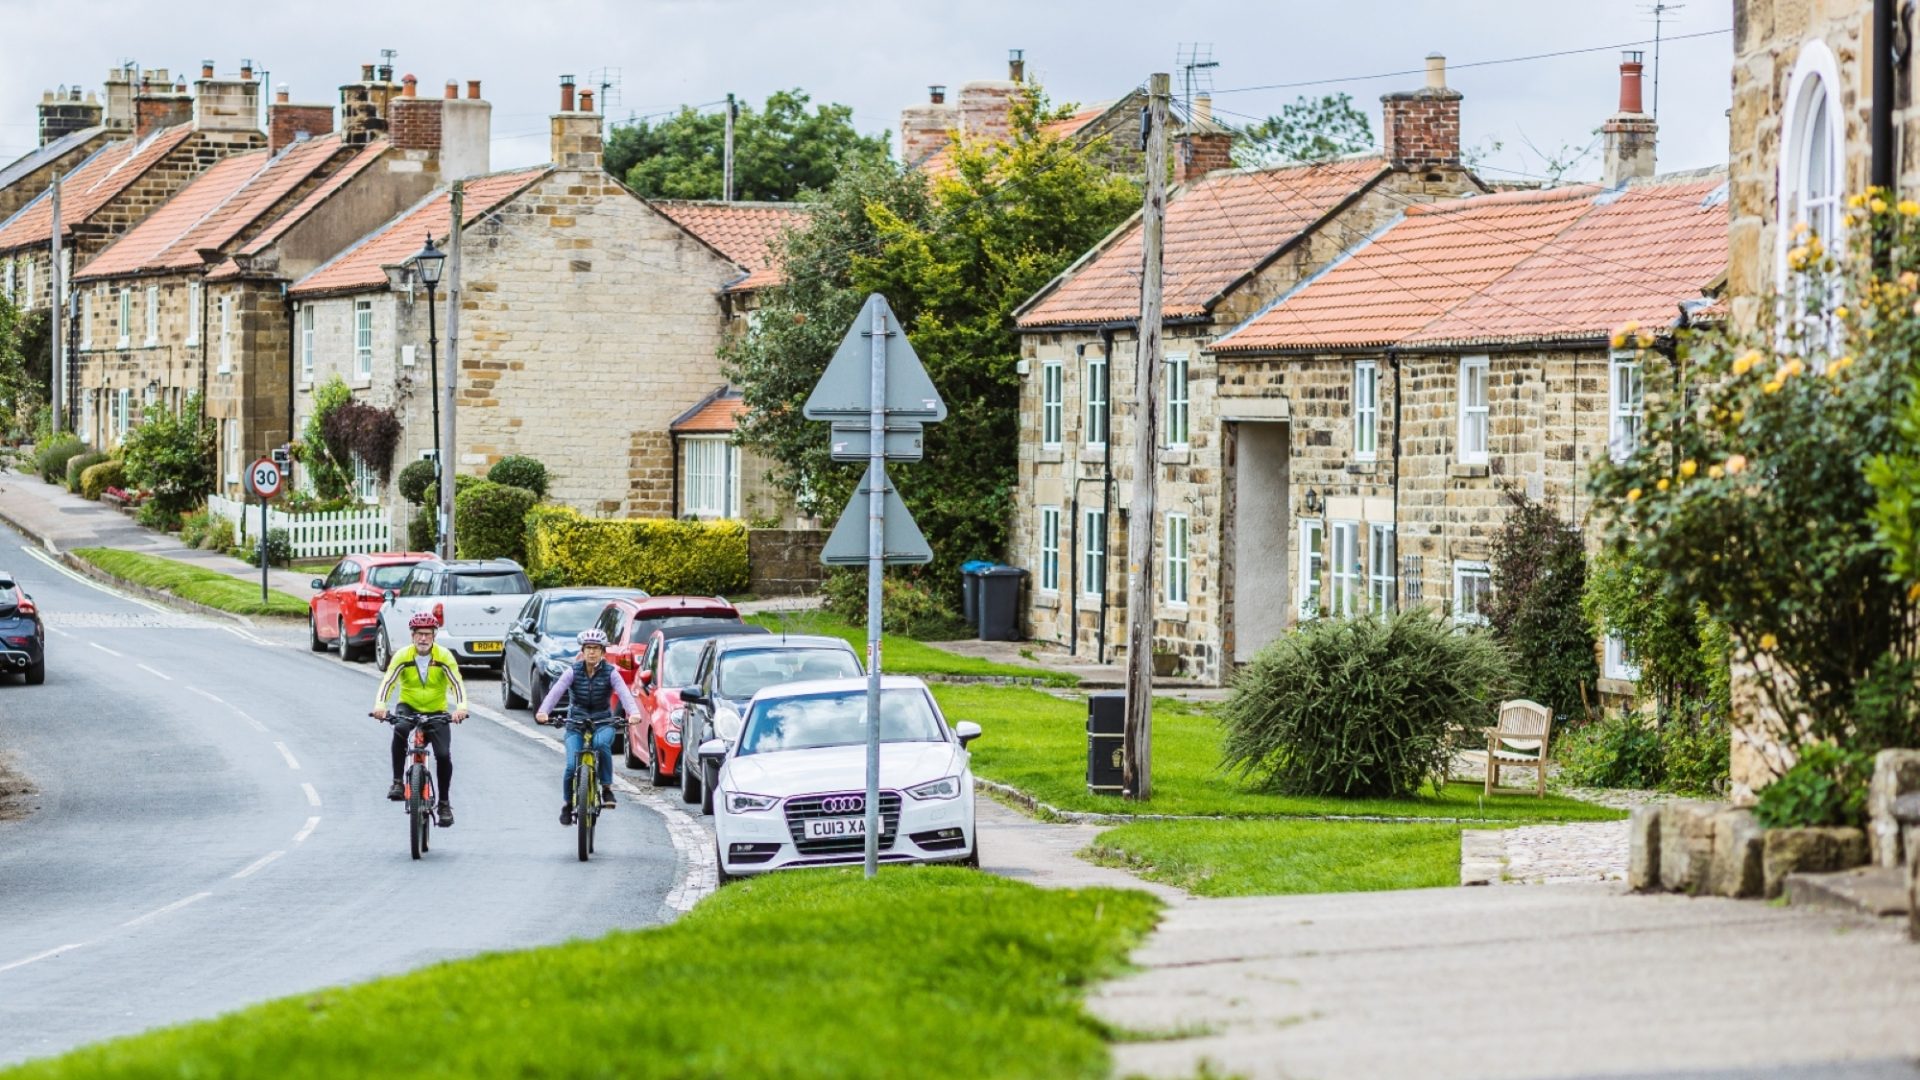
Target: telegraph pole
column 448, row 398
column 726, row 186
column 1137, row 749
column 56, row 397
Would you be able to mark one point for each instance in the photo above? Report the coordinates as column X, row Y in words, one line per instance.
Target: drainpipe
column 1393, row 358
column 1880, row 122
column 293, row 367
column 673, row 451
column 1106, row 482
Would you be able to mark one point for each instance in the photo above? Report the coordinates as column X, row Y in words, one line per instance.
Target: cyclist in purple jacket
column 591, row 687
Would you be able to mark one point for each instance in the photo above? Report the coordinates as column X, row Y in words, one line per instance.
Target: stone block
column 1686, row 845
column 1815, row 851
column 1895, row 773
column 1738, row 847
column 1643, row 849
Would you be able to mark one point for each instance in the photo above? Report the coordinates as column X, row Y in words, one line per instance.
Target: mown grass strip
column 929, row 972
column 903, row 655
column 202, row 586
column 1037, row 742
column 1264, row 857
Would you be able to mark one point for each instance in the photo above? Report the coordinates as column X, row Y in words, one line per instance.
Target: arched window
column 1812, row 154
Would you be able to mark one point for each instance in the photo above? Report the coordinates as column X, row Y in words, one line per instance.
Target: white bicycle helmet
column 593, row 637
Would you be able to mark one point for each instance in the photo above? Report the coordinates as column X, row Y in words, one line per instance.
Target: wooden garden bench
column 1520, row 739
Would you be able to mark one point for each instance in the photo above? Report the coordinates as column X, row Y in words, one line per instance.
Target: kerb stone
column 1686, row 845
column 1643, row 849
column 1738, row 850
column 1809, row 851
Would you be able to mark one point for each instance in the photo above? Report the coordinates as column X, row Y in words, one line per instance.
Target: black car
column 23, row 639
column 544, row 639
column 733, row 669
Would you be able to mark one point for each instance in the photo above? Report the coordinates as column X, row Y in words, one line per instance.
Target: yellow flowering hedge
column 663, row 556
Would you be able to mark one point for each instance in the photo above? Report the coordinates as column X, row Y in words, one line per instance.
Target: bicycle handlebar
column 423, row 717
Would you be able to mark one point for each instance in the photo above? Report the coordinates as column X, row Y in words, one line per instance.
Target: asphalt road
column 212, row 829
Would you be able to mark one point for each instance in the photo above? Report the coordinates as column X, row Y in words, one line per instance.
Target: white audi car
column 792, row 787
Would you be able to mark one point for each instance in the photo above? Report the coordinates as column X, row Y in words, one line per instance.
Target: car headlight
column 739, row 802
column 555, row 668
column 947, row 787
column 677, row 719
column 726, row 724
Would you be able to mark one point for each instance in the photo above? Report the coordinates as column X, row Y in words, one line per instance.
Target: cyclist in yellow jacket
column 428, row 678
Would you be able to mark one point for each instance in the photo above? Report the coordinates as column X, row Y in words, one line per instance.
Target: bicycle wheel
column 417, row 810
column 584, row 808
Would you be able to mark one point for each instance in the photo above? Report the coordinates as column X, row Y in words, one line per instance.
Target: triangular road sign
column 847, row 546
column 845, row 390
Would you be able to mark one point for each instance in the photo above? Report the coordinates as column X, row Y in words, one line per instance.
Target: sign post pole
column 264, row 479
column 876, row 562
column 263, row 549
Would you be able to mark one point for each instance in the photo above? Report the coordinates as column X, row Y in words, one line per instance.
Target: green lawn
column 1263, row 857
column 929, row 971
column 209, row 587
column 903, row 655
column 1037, row 742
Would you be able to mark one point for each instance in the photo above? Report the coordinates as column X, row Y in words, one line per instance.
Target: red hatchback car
column 345, row 610
column 667, row 667
column 629, row 623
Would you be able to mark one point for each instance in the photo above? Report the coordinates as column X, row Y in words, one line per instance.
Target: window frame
column 1093, row 553
column 363, row 339
column 9, row 276
column 1311, row 562
column 1348, row 585
column 233, row 450
column 226, row 334
column 1621, row 444
column 1366, row 411
column 1179, row 559
column 193, row 312
column 306, row 342
column 126, row 317
column 1097, row 414
column 153, row 316
column 1474, row 418
column 1179, row 413
column 1053, row 404
column 1617, row 661
column 1049, row 529
column 1383, row 596
column 705, row 496
column 1464, row 570
column 86, row 320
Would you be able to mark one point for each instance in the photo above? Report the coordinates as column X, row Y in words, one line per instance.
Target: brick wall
column 415, row 123
column 151, row 112
column 285, row 123
column 1200, row 153
column 1421, row 128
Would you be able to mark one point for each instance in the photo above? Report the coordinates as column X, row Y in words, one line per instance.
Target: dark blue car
column 23, row 640
column 544, row 639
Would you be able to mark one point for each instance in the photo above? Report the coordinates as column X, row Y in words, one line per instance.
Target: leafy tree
column 1310, row 129
column 172, row 455
column 331, row 478
column 954, row 257
column 23, row 368
column 1539, row 569
column 779, row 150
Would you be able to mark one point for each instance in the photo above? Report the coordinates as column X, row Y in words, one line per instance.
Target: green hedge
column 489, row 520
column 78, row 464
column 662, row 556
column 50, row 461
column 97, row 478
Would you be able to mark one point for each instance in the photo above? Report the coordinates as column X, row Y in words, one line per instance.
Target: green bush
column 95, row 480
column 1827, row 786
column 171, row 454
column 158, row 516
column 193, row 527
column 908, row 606
column 415, row 479
column 50, row 461
column 662, row 556
column 1697, row 756
column 1539, row 566
column 423, row 533
column 521, row 472
column 1620, row 750
column 219, row 535
column 279, row 549
column 80, row 463
column 1362, row 707
column 490, row 520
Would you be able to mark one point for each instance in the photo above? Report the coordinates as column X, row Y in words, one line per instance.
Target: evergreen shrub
column 489, row 520
column 662, row 556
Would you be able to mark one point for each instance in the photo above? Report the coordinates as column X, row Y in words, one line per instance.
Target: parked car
column 544, row 639
column 667, row 665
column 475, row 599
column 344, row 612
column 730, row 672
column 792, row 789
column 23, row 637
column 629, row 624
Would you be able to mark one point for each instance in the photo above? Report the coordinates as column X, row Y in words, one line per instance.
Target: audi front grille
column 840, row 804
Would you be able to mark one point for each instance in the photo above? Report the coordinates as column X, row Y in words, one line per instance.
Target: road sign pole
column 263, row 551
column 876, row 562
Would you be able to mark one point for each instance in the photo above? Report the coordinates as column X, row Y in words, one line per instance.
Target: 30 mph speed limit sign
column 264, row 478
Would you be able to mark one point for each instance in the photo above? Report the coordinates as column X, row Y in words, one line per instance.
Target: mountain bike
column 586, row 789
column 416, row 781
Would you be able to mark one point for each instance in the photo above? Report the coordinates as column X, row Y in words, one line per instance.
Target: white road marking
column 251, row 722
column 306, row 830
column 286, row 753
column 248, row 635
column 57, row 630
column 204, row 694
column 313, row 797
column 258, row 864
column 58, row 567
column 150, row 671
column 106, row 650
column 175, row 906
column 49, row 954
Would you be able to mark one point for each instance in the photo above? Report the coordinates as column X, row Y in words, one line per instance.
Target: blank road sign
column 854, row 442
column 904, row 543
column 845, row 390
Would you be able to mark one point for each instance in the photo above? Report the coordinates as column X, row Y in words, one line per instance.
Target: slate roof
column 106, row 173
column 1219, row 229
column 359, row 267
column 717, row 413
column 1410, row 272
column 41, row 156
column 745, row 232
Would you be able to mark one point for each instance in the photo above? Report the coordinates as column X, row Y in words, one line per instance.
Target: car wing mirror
column 966, row 731
column 317, row 585
column 713, row 751
column 645, row 678
column 389, row 594
column 693, row 695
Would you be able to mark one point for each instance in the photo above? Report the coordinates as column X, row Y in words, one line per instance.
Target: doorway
column 1257, row 525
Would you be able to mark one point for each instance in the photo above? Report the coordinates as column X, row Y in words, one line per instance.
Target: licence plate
column 835, row 828
column 483, row 646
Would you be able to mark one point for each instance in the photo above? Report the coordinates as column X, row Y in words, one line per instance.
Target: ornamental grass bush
column 1363, row 707
column 489, row 520
column 663, row 556
column 97, row 478
column 910, row 606
column 50, row 460
column 78, row 464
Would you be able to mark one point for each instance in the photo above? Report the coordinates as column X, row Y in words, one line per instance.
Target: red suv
column 345, row 609
column 630, row 622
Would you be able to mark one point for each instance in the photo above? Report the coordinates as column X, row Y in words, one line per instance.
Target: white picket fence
column 314, row 536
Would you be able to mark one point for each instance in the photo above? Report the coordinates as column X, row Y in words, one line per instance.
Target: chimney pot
column 586, row 101
column 473, row 89
column 409, row 86
column 1437, row 71
column 937, row 94
column 246, row 70
column 566, row 93
column 280, row 94
column 1203, row 107
column 366, row 73
column 206, row 69
column 1630, row 81
column 386, row 73
column 452, row 91
column 1016, row 64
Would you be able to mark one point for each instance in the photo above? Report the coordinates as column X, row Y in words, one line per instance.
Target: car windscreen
column 566, row 618
column 744, row 674
column 389, row 577
column 488, row 583
column 837, row 719
column 682, row 659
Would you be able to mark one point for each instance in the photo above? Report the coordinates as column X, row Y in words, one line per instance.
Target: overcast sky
column 878, row 55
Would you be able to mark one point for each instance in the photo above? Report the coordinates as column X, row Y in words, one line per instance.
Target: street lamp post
column 428, row 262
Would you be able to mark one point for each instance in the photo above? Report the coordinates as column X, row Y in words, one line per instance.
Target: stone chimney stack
column 365, row 107
column 925, row 129
column 576, row 134
column 158, row 104
column 288, row 123
column 466, row 132
column 62, row 112
column 226, row 104
column 1202, row 146
column 1421, row 128
column 986, row 109
column 119, row 112
column 1629, row 136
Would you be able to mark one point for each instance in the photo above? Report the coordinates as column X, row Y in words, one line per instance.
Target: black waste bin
column 1106, row 734
column 970, row 590
column 1000, row 603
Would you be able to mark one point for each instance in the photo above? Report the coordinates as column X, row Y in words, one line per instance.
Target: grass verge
column 1273, row 856
column 209, row 587
column 903, row 655
column 932, row 971
column 1038, row 743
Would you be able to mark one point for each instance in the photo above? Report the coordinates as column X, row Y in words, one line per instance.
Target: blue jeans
column 602, row 745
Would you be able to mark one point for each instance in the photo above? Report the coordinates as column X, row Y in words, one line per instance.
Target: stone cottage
column 1235, row 240
column 72, row 124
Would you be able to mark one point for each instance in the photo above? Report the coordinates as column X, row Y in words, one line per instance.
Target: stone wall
column 785, row 562
column 28, row 188
column 171, row 362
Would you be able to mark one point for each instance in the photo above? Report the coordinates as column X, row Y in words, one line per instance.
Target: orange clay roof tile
column 747, row 233
column 720, row 414
column 341, row 177
column 108, row 172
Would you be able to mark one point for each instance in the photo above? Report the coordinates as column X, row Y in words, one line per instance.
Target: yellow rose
column 1643, row 339
column 1908, row 208
column 1789, row 369
column 1834, row 369
column 1662, row 485
column 1634, row 496
column 1739, row 415
column 1909, row 280
column 1688, row 468
column 1619, row 340
column 1716, row 472
column 1797, row 258
column 1913, row 592
column 1736, row 464
column 1878, row 206
column 1772, row 386
column 1840, row 312
column 1855, row 201
column 1767, row 642
column 1747, row 361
